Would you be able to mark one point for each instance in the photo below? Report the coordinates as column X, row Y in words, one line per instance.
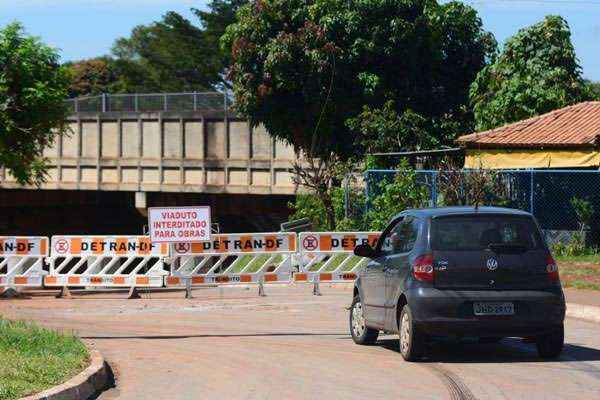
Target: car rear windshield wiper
column 507, row 248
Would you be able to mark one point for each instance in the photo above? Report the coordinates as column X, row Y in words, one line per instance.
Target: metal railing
column 547, row 194
column 149, row 102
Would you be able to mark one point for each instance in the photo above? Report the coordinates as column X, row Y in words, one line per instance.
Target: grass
column 33, row 359
column 580, row 272
column 337, row 260
column 257, row 263
column 588, row 258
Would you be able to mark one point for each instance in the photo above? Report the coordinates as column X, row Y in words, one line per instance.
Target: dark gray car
column 459, row 271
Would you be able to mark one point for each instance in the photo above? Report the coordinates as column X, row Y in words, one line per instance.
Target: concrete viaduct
column 119, row 160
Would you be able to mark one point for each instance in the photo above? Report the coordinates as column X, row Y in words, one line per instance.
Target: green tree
column 174, row 54
column 537, row 72
column 395, row 195
column 171, row 53
column 33, row 87
column 220, row 14
column 311, row 206
column 594, row 88
column 311, row 71
column 93, row 76
column 351, row 212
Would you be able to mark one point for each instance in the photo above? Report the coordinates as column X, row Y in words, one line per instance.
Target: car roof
column 460, row 210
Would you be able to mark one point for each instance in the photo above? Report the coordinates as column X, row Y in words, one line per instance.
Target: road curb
column 585, row 312
column 83, row 386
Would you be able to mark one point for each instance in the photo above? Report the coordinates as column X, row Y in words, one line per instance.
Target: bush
column 575, row 246
column 584, row 211
column 402, row 193
column 310, row 206
column 472, row 188
column 392, row 196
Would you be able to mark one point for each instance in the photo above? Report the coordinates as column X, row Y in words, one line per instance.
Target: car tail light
column 423, row 268
column 552, row 269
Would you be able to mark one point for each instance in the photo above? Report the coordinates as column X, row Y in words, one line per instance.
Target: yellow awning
column 511, row 159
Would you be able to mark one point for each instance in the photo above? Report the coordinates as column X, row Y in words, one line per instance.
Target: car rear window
column 479, row 232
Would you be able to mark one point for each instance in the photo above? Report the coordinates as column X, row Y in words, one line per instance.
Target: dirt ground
column 580, row 275
column 228, row 343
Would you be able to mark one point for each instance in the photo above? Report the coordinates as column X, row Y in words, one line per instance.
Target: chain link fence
column 550, row 195
column 199, row 101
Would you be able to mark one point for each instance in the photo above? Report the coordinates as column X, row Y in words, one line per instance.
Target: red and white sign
column 239, row 243
column 179, row 224
column 82, row 246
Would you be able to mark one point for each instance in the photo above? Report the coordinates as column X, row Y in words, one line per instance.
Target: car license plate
column 494, row 308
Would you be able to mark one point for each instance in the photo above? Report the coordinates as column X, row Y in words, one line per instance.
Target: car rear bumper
column 450, row 312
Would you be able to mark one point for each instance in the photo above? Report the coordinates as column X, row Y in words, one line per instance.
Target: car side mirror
column 364, row 250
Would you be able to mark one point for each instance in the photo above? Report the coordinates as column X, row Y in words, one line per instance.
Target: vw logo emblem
column 492, row 264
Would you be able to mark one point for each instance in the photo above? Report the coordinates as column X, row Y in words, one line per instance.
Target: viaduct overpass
column 129, row 152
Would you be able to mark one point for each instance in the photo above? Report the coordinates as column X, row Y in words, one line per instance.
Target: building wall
column 166, row 152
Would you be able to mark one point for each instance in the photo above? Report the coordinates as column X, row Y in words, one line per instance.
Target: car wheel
column 412, row 341
column 551, row 345
column 361, row 333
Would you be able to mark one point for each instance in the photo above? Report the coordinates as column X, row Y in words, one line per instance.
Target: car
column 481, row 272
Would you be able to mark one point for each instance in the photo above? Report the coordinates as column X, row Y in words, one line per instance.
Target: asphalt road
column 232, row 344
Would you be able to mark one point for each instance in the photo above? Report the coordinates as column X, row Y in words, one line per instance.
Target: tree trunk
column 329, row 211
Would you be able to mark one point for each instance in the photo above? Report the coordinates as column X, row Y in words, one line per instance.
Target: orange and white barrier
column 22, row 260
column 106, row 261
column 327, row 256
column 234, row 258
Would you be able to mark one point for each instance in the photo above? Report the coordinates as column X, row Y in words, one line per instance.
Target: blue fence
column 547, row 194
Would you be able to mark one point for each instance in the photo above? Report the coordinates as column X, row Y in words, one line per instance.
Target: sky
column 84, row 29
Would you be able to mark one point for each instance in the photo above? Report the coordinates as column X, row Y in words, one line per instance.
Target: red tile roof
column 574, row 126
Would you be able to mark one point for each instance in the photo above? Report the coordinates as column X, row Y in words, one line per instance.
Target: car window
column 466, row 233
column 401, row 238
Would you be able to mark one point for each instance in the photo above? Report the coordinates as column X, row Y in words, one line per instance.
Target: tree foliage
column 594, row 88
column 33, row 87
column 220, row 14
column 312, row 71
column 478, row 187
column 537, row 72
column 349, row 204
column 172, row 54
column 392, row 196
column 309, row 205
column 92, row 76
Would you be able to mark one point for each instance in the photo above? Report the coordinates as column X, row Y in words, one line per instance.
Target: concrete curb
column 585, row 312
column 91, row 381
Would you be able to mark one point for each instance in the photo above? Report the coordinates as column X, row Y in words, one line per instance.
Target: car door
column 373, row 284
column 373, row 281
column 397, row 265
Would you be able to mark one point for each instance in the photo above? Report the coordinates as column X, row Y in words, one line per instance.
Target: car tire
column 361, row 333
column 551, row 345
column 411, row 340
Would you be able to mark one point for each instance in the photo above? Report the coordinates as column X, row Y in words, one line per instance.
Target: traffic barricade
column 328, row 256
column 234, row 259
column 106, row 261
column 22, row 260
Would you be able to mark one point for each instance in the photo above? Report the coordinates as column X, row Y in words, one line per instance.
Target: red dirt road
column 231, row 344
